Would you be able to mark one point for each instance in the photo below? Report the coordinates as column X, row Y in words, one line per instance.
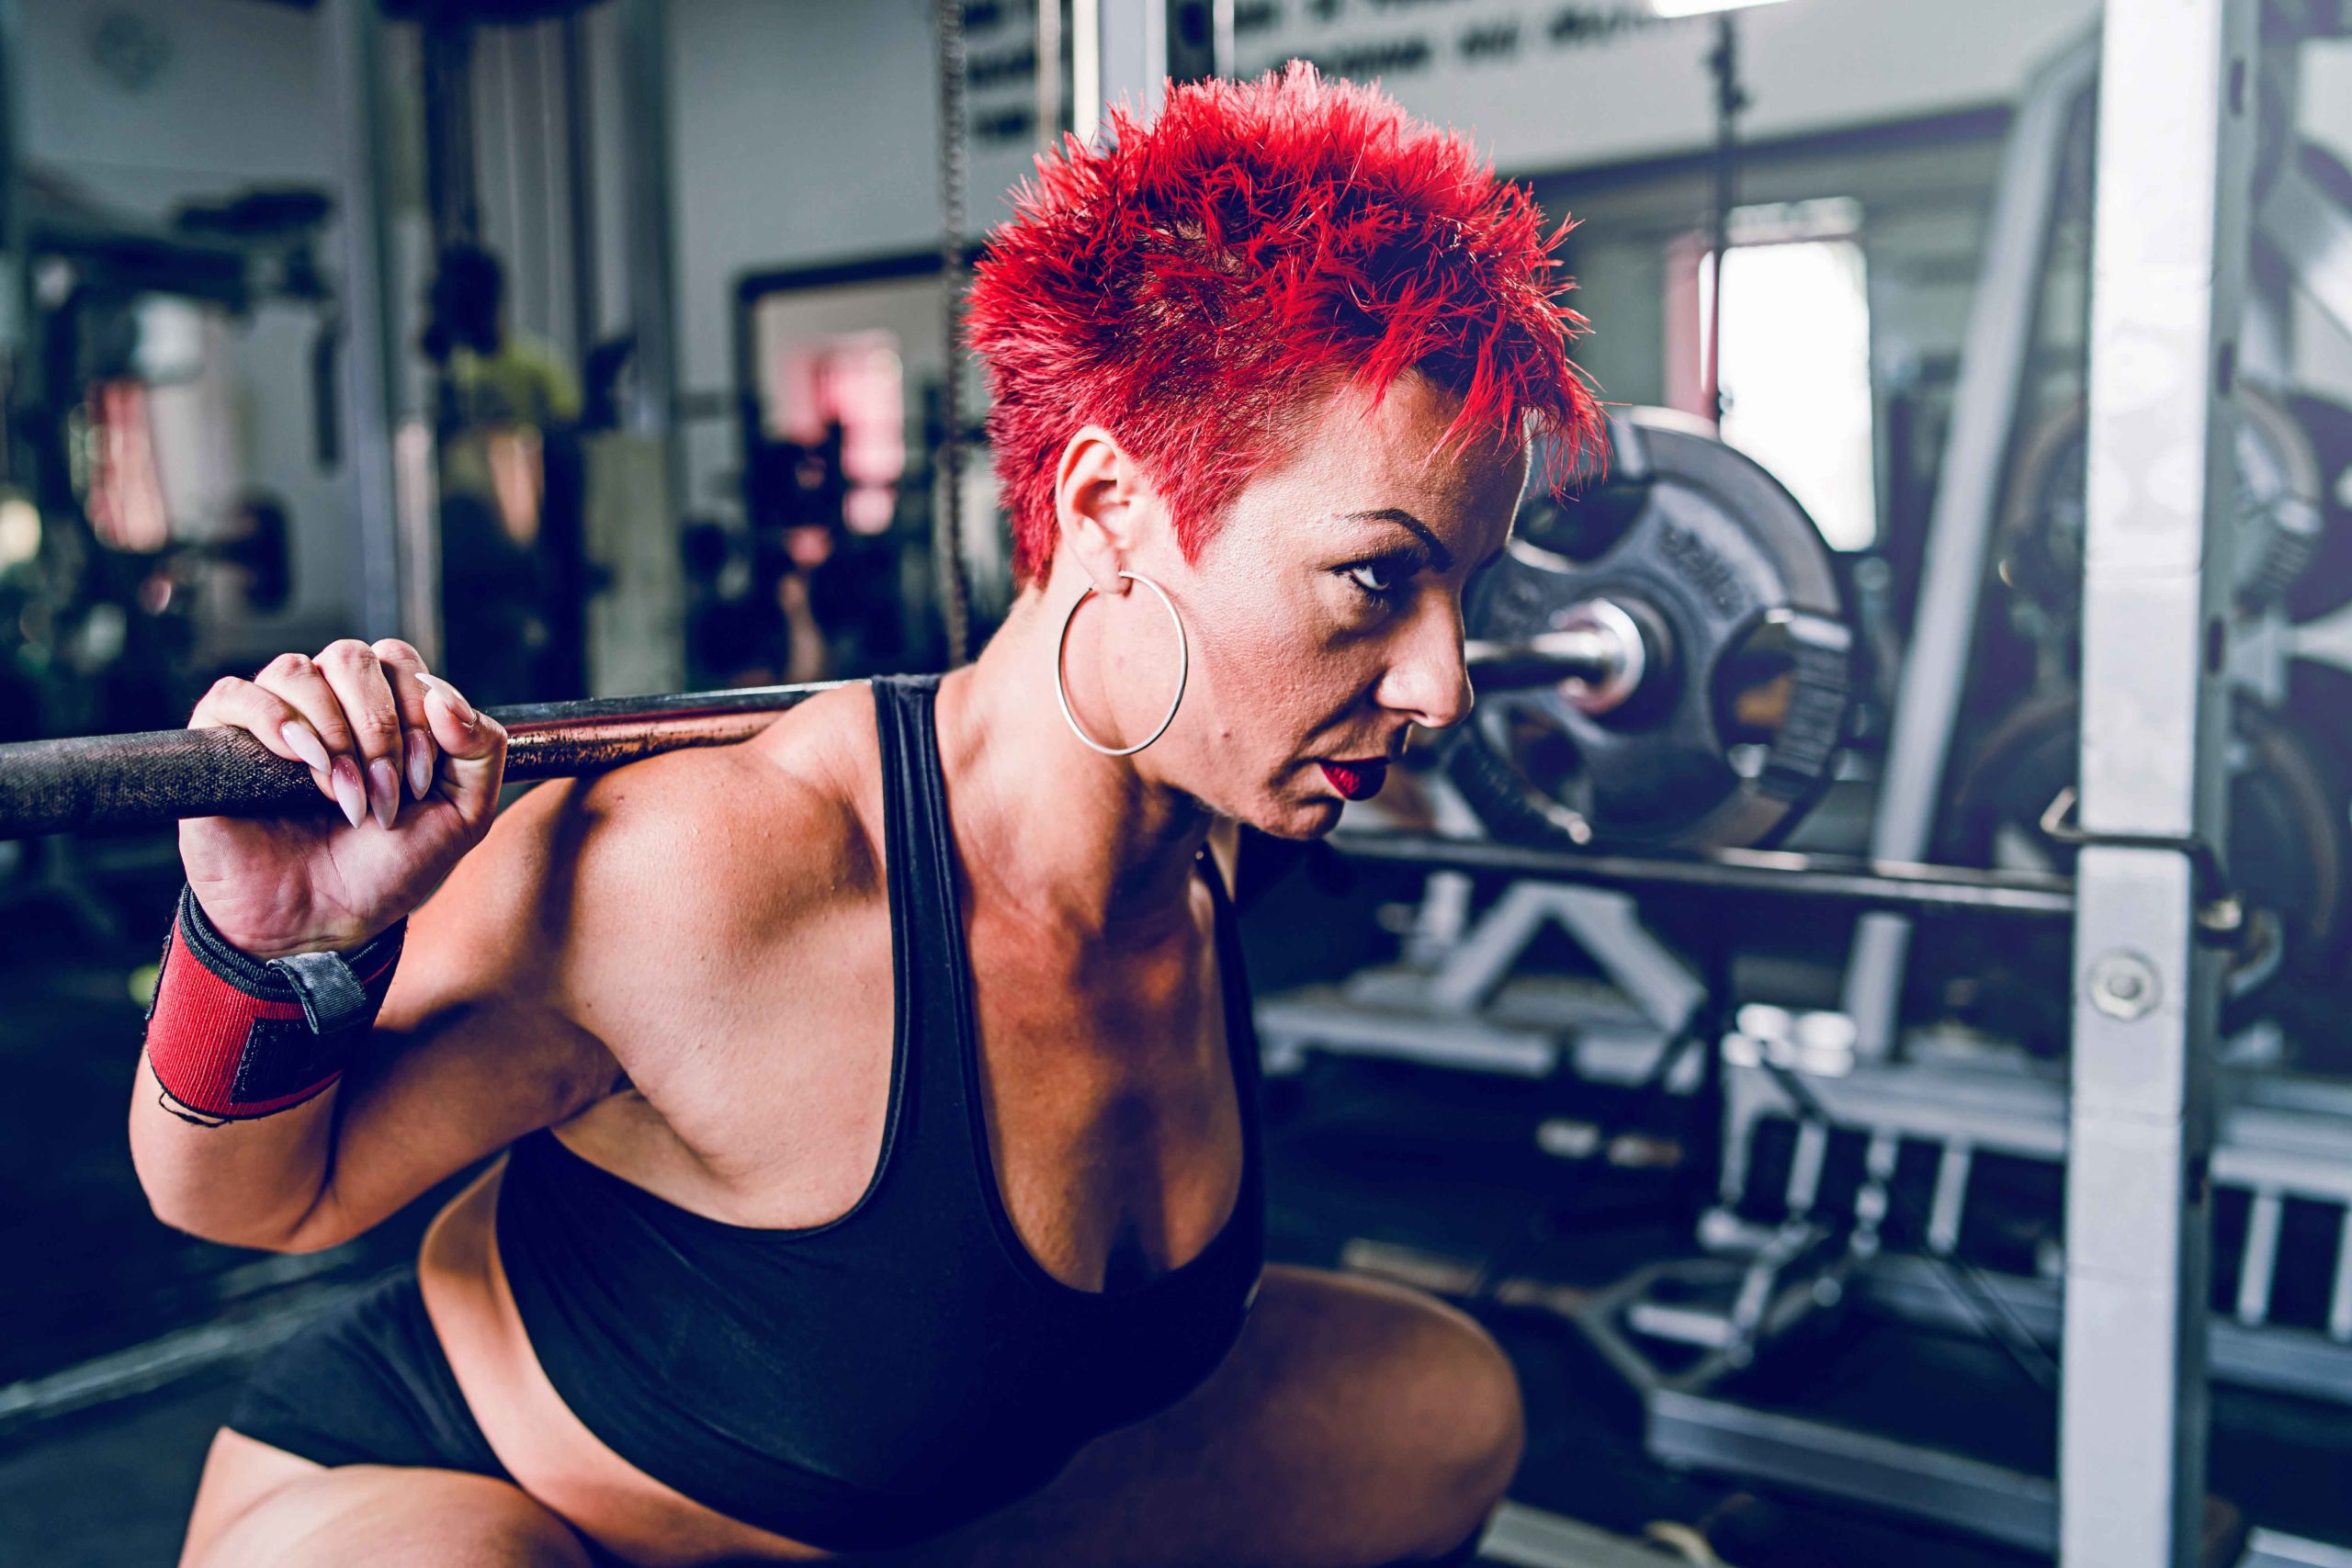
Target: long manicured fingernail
column 419, row 762
column 383, row 791
column 461, row 709
column 305, row 745
column 349, row 793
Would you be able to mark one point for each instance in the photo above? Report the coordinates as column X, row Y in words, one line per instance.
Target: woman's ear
column 1103, row 503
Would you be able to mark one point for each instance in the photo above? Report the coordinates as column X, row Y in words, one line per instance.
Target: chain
column 954, row 589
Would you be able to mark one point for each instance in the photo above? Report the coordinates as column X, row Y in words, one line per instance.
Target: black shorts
column 367, row 1384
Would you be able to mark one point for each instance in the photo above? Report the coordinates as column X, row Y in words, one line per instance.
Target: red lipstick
column 1357, row 781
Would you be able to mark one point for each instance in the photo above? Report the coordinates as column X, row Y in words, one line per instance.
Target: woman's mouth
column 1357, row 781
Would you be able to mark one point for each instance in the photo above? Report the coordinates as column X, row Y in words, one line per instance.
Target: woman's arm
column 583, row 939
column 469, row 1053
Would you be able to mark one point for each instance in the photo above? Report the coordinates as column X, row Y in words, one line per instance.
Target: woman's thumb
column 473, row 746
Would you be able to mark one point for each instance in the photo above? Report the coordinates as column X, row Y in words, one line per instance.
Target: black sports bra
column 883, row 1378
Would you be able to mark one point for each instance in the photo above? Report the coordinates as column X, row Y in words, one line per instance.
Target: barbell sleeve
column 1579, row 653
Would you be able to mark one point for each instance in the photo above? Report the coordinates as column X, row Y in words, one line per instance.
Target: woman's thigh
column 1355, row 1423
column 262, row 1507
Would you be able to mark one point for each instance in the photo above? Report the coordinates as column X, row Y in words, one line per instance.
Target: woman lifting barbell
column 881, row 1168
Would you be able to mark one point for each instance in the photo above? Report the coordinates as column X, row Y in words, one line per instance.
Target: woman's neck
column 1076, row 841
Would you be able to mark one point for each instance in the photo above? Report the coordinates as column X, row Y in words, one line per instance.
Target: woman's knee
column 1476, row 1425
column 1435, row 1424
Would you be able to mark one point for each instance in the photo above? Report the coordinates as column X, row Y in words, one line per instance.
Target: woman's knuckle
column 347, row 653
column 217, row 698
column 391, row 649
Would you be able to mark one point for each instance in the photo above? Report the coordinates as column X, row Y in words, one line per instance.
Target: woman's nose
column 1430, row 681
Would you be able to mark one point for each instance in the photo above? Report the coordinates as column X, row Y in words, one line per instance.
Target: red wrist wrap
column 235, row 1037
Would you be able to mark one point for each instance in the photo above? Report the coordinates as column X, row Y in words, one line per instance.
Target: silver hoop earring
column 1183, row 668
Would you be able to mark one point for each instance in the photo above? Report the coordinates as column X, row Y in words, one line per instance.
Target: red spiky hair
column 1193, row 285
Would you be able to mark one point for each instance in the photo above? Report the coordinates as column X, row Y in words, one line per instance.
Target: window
column 1797, row 357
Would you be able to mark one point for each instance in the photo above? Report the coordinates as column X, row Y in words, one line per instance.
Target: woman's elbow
column 235, row 1231
column 312, row 1226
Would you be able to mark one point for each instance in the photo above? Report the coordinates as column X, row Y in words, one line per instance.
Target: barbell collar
column 1628, row 656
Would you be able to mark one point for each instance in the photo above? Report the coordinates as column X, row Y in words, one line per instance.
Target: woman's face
column 1326, row 612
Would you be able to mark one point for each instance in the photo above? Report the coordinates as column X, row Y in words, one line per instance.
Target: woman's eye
column 1384, row 581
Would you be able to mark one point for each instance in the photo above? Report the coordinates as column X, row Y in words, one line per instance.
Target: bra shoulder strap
column 929, row 964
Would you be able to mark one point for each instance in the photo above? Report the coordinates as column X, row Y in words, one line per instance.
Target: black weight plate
column 2287, row 833
column 2286, row 855
column 2278, row 513
column 1750, row 650
column 2326, row 585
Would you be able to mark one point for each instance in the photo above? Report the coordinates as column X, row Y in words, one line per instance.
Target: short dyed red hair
column 1191, row 287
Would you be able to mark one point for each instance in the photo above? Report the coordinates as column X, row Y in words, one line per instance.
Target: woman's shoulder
column 721, row 843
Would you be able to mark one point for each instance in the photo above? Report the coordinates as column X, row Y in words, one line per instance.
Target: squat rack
column 2171, row 235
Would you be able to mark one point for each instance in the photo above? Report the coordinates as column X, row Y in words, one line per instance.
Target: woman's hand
column 412, row 767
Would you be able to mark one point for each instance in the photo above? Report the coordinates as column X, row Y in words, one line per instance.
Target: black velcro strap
column 332, row 997
column 282, row 1059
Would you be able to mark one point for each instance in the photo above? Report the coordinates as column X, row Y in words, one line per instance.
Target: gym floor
column 1377, row 1164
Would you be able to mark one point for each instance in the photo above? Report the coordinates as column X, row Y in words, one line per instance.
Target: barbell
column 116, row 783
column 1639, row 635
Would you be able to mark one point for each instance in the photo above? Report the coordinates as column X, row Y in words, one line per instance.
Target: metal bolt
column 2223, row 918
column 2123, row 985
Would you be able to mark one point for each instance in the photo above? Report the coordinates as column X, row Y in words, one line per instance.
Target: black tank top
column 883, row 1378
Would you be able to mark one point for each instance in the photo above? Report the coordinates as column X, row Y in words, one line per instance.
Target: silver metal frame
column 368, row 369
column 16, row 284
column 1464, row 1007
column 1529, row 1538
column 644, row 36
column 1960, row 528
column 2171, row 232
column 1120, row 50
column 2278, row 1138
column 2273, row 1548
column 1987, row 1500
